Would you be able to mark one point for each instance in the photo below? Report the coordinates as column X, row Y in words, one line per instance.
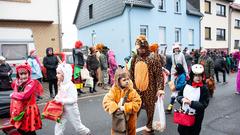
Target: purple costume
column 237, row 56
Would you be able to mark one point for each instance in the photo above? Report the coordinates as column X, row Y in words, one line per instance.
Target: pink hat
column 176, row 45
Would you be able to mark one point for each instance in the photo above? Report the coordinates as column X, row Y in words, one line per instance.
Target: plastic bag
column 159, row 118
column 89, row 82
column 85, row 74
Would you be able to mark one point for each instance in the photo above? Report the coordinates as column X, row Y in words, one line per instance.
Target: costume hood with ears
column 67, row 72
column 141, row 41
column 25, row 67
column 2, row 58
column 120, row 73
column 176, row 45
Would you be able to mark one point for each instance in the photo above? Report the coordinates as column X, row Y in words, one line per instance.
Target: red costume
column 24, row 99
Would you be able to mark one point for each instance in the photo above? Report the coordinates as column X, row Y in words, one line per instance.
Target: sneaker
column 225, row 83
column 169, row 109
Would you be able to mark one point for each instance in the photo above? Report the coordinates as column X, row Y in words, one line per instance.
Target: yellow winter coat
column 131, row 106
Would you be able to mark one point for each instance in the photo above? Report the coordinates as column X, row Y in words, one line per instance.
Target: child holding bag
column 194, row 99
column 114, row 100
column 179, row 83
column 67, row 95
column 24, row 111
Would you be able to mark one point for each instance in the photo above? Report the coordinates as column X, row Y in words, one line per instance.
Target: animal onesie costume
column 236, row 55
column 67, row 95
column 112, row 66
column 198, row 94
column 147, row 77
column 131, row 106
column 23, row 98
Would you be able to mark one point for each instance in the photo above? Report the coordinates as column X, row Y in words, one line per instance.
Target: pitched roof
column 193, row 8
column 136, row 3
column 235, row 6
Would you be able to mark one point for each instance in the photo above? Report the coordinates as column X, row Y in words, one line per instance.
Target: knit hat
column 153, row 47
column 78, row 44
column 141, row 41
column 2, row 58
column 32, row 52
column 176, row 45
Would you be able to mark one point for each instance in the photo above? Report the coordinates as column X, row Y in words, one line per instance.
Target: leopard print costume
column 156, row 82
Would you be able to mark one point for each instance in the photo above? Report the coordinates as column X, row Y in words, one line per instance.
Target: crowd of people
column 134, row 86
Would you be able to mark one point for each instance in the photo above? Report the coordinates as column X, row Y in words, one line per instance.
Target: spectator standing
column 50, row 62
column 112, row 66
column 5, row 75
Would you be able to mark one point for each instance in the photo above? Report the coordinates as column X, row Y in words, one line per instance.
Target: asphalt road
column 221, row 116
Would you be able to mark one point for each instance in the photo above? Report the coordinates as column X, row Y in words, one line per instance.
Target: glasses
column 23, row 73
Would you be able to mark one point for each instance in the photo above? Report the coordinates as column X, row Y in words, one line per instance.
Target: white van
column 15, row 45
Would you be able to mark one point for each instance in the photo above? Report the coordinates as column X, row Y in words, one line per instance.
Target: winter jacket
column 50, row 62
column 180, row 81
column 5, row 77
column 103, row 61
column 208, row 65
column 78, row 58
column 36, row 69
column 92, row 63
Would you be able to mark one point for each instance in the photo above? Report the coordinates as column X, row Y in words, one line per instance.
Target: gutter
column 59, row 25
column 229, row 29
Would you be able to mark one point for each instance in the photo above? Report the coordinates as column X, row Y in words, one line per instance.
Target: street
column 221, row 116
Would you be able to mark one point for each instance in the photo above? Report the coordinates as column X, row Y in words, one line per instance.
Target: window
column 191, row 36
column 14, row 51
column 236, row 44
column 207, row 33
column 178, row 35
column 221, row 10
column 161, row 6
column 91, row 11
column 144, row 30
column 237, row 23
column 162, row 35
column 177, row 6
column 207, row 7
column 220, row 34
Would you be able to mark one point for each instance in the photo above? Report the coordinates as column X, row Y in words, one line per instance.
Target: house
column 41, row 16
column 117, row 23
column 235, row 26
column 215, row 24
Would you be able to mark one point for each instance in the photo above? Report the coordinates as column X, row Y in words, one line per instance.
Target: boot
column 169, row 109
column 91, row 90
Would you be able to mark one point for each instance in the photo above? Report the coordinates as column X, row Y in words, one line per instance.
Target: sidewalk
column 46, row 94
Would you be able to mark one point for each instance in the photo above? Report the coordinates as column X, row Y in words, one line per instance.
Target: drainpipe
column 59, row 25
column 200, row 31
column 129, row 28
column 229, row 29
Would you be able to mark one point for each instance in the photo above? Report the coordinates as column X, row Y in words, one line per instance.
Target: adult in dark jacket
column 92, row 66
column 50, row 62
column 194, row 99
column 220, row 66
column 5, row 75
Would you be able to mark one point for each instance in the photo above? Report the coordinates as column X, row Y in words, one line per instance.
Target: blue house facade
column 162, row 21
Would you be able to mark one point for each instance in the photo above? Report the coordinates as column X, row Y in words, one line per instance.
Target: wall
column 214, row 21
column 44, row 10
column 235, row 32
column 112, row 33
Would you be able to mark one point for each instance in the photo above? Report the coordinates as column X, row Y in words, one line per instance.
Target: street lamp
column 93, row 37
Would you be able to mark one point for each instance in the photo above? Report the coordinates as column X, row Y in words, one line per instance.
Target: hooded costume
column 131, row 106
column 112, row 66
column 50, row 62
column 147, row 77
column 198, row 94
column 23, row 99
column 67, row 95
column 236, row 55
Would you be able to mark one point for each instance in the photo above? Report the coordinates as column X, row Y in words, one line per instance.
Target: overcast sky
column 70, row 31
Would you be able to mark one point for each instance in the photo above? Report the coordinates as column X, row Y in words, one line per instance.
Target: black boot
column 90, row 90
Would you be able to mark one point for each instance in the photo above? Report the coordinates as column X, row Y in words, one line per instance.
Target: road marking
column 139, row 129
column 80, row 98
